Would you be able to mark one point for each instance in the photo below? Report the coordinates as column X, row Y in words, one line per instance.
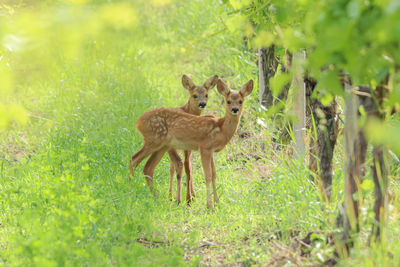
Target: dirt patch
column 152, row 243
column 313, row 249
column 212, row 253
column 14, row 147
column 299, row 250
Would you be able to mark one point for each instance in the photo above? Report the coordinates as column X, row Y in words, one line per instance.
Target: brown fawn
column 166, row 128
column 196, row 104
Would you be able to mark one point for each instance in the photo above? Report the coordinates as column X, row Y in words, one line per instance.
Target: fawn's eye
column 206, row 95
column 229, row 102
column 194, row 96
column 240, row 102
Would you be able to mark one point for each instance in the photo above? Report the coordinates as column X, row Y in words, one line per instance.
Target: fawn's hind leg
column 178, row 166
column 137, row 158
column 144, row 152
column 150, row 166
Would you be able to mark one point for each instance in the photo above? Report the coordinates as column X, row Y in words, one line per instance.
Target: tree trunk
column 267, row 65
column 286, row 69
column 380, row 167
column 379, row 171
column 323, row 138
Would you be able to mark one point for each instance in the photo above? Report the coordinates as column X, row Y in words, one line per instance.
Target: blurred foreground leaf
column 119, row 15
column 278, row 82
column 386, row 133
column 12, row 112
column 34, row 37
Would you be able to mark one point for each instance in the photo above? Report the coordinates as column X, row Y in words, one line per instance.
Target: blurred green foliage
column 356, row 37
column 35, row 37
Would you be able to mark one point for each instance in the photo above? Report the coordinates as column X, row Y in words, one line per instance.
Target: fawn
column 166, row 128
column 196, row 104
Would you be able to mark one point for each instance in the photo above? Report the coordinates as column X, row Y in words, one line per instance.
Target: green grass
column 66, row 197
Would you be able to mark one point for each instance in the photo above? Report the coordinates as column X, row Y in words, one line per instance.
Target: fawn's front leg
column 206, row 162
column 171, row 178
column 214, row 177
column 189, row 178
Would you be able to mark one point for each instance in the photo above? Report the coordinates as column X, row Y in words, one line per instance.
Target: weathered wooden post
column 355, row 151
column 298, row 85
column 352, row 166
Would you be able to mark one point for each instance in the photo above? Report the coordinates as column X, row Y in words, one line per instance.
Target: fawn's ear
column 247, row 88
column 223, row 89
column 210, row 83
column 187, row 82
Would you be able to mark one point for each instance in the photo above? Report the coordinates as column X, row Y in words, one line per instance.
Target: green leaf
column 329, row 81
column 367, row 185
column 326, row 98
column 278, row 82
column 383, row 133
column 264, row 39
column 238, row 4
column 236, row 22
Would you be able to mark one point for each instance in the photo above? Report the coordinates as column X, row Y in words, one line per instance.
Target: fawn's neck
column 230, row 125
column 189, row 109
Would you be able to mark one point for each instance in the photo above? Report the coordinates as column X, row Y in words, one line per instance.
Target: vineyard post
column 351, row 168
column 299, row 127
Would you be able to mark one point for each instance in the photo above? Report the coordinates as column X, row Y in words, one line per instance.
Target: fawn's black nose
column 202, row 104
column 235, row 111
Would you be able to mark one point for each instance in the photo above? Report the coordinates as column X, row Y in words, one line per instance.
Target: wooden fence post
column 351, row 169
column 355, row 151
column 299, row 127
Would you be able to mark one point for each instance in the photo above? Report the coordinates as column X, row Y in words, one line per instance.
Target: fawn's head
column 198, row 93
column 234, row 100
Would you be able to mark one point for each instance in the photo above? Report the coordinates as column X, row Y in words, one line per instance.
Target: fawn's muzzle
column 202, row 105
column 235, row 111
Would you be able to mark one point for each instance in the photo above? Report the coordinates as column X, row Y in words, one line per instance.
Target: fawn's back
column 177, row 129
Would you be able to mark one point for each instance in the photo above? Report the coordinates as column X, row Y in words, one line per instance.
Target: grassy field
column 66, row 196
